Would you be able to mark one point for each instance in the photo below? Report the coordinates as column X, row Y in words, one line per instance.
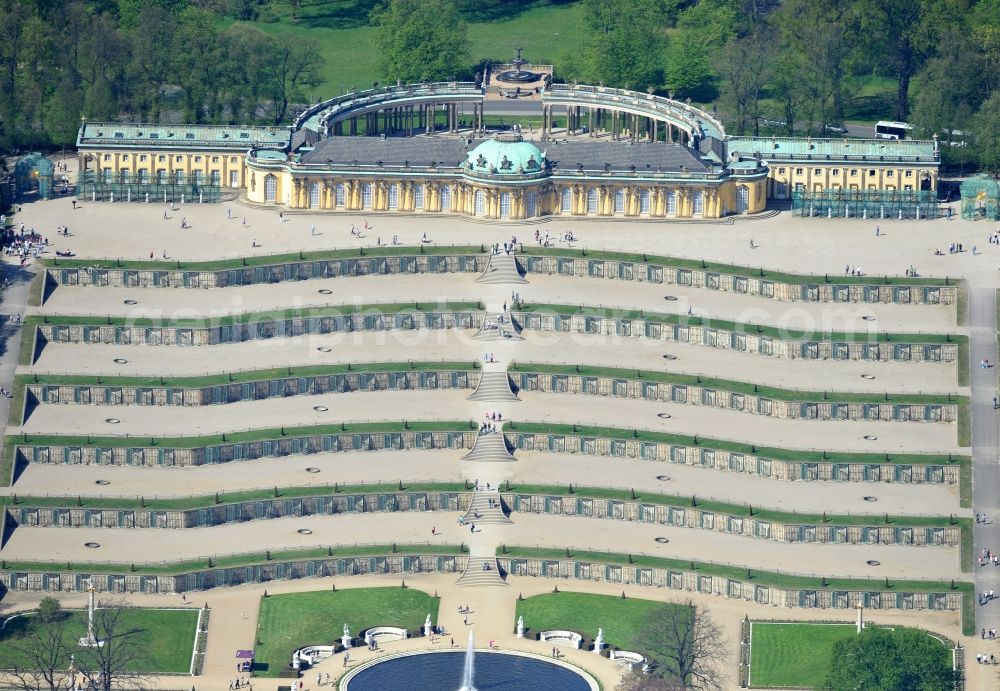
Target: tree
column 985, row 126
column 951, row 90
column 420, row 40
column 700, row 28
column 688, row 645
column 625, row 44
column 890, row 660
column 744, row 69
column 44, row 649
column 293, row 66
column 113, row 665
column 905, row 31
column 819, row 59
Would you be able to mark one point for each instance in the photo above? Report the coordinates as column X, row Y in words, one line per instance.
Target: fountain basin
column 442, row 671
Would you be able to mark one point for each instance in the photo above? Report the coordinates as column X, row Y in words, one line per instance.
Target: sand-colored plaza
column 101, row 233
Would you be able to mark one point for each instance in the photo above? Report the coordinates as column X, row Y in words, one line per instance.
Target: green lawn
column 798, row 655
column 287, row 622
column 622, row 620
column 166, row 636
column 547, row 31
column 795, row 654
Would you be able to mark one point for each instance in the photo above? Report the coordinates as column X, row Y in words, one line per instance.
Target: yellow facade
column 785, row 178
column 275, row 184
column 149, row 164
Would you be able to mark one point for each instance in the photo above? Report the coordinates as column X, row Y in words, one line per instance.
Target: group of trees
column 801, row 62
column 102, row 59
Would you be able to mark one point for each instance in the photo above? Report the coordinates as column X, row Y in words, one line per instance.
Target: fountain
column 518, row 75
column 497, row 670
column 469, row 671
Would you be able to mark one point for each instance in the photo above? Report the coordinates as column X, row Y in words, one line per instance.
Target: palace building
column 422, row 148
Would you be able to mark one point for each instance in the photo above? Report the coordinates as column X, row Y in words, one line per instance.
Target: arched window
column 619, row 201
column 591, row 201
column 366, row 196
column 505, row 205
column 644, row 202
column 446, row 198
column 531, row 202
column 393, row 197
column 314, row 195
column 338, row 195
column 270, row 188
column 418, row 197
column 698, row 203
column 480, row 203
column 567, row 200
column 742, row 199
column 671, row 202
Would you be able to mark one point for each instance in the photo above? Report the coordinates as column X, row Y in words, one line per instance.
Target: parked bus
column 885, row 129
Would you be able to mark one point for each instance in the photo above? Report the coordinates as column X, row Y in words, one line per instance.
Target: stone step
column 493, row 386
column 475, row 576
column 489, row 447
column 502, row 269
column 488, row 515
column 506, row 332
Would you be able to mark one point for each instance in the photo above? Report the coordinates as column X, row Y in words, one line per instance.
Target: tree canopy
column 420, row 40
column 890, row 660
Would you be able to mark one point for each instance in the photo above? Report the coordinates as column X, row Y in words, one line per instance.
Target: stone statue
column 347, row 631
column 520, row 627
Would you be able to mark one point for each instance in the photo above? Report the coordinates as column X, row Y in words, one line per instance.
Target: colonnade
column 619, row 124
column 407, row 120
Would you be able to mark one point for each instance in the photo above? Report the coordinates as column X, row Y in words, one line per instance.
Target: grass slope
column 798, row 655
column 622, row 620
column 165, row 636
column 287, row 622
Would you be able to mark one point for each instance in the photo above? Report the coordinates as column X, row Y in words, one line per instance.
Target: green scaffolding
column 876, row 204
column 981, row 198
column 92, row 187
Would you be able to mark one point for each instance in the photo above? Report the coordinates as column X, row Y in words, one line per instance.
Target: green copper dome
column 505, row 155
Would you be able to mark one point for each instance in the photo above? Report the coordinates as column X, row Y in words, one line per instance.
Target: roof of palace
column 506, row 155
column 807, row 148
column 564, row 156
column 112, row 134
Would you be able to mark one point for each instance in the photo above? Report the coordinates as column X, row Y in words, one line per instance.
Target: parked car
column 836, row 129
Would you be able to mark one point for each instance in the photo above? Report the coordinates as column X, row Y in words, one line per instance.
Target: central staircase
column 475, row 575
column 489, row 447
column 502, row 269
column 493, row 386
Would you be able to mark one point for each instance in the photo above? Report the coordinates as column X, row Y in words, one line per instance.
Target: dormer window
column 119, row 135
column 244, row 135
column 189, row 135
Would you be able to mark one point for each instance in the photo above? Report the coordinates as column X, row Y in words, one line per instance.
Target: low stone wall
column 731, row 588
column 352, row 502
column 99, row 275
column 750, row 403
column 694, row 517
column 293, row 444
column 239, row 512
column 104, row 582
column 259, row 330
column 251, row 391
column 743, row 341
column 749, row 284
column 747, row 463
